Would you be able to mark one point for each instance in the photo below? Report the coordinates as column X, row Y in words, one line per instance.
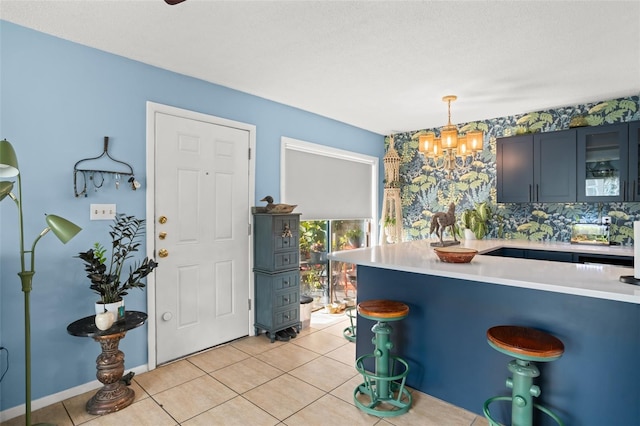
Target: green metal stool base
column 380, row 389
column 493, row 422
column 349, row 333
column 523, row 392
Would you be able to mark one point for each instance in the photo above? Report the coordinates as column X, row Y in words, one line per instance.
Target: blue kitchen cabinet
column 537, row 167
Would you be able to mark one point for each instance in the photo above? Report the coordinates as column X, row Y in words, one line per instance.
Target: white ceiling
column 379, row 65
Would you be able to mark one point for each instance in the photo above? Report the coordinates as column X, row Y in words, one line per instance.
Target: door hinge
column 249, row 303
column 249, row 229
column 249, row 153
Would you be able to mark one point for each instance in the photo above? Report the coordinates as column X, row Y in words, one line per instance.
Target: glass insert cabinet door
column 603, row 164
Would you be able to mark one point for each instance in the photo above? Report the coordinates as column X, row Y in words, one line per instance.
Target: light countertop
column 599, row 281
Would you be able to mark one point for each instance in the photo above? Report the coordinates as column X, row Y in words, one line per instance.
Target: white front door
column 201, row 235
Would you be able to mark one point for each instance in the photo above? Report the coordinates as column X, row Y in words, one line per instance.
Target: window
column 337, row 195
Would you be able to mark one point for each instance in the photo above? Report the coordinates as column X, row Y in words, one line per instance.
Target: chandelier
column 450, row 145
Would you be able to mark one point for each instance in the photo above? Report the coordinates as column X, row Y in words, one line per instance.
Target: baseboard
column 60, row 396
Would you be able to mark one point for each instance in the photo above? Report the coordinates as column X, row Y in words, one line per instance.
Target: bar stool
column 349, row 333
column 384, row 383
column 525, row 345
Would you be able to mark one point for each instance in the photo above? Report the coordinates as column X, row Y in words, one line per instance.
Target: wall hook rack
column 96, row 175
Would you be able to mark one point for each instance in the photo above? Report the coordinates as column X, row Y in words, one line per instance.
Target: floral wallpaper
column 426, row 190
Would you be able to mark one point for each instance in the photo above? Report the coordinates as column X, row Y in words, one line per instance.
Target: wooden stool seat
column 383, row 310
column 525, row 343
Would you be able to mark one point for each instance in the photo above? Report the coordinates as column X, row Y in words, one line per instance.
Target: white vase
column 116, row 307
column 469, row 235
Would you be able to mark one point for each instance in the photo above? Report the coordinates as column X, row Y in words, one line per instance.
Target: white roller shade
column 328, row 183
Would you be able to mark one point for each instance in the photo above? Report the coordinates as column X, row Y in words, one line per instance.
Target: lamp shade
column 5, row 188
column 474, row 140
column 463, row 149
column 449, row 137
column 435, row 150
column 8, row 160
column 425, row 143
column 63, row 229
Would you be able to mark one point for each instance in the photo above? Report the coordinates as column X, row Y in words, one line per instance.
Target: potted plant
column 312, row 237
column 390, row 229
column 354, row 236
column 105, row 273
column 475, row 221
column 318, row 253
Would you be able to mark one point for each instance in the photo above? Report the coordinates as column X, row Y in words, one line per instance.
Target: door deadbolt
column 162, row 220
column 163, row 253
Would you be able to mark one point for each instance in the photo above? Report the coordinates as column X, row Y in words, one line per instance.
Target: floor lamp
column 62, row 228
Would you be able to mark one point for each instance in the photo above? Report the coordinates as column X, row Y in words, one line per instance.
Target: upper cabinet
column 537, row 168
column 605, row 161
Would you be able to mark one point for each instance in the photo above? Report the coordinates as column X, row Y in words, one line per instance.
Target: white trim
column 152, row 109
column 60, row 396
column 312, row 148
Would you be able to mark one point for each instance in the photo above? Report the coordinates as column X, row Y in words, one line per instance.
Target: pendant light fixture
column 450, row 145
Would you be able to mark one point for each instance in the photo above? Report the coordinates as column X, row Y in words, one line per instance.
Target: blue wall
column 58, row 100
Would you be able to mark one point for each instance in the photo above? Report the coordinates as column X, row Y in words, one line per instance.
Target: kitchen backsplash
column 426, row 190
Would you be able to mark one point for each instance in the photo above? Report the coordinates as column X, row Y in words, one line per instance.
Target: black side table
column 114, row 395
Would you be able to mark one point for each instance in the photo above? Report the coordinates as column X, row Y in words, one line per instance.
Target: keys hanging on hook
column 117, row 180
column 134, row 183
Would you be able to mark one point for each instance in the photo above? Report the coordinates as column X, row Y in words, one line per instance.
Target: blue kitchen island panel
column 595, row 382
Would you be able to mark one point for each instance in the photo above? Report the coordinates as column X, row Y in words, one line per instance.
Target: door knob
column 162, row 220
column 163, row 253
column 162, row 235
column 167, row 316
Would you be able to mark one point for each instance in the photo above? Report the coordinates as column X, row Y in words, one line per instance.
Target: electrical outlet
column 102, row 211
column 606, row 220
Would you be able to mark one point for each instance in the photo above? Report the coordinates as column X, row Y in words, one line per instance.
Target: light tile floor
column 306, row 381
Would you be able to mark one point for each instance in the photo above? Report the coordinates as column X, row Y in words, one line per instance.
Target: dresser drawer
column 286, row 260
column 286, row 281
column 286, row 317
column 285, row 243
column 286, row 298
column 286, row 226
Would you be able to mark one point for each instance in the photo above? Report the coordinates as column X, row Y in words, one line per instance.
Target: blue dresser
column 276, row 270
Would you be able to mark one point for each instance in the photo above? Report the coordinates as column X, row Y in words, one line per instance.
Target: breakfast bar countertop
column 590, row 280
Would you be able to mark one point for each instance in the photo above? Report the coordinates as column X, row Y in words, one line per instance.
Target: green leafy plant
column 354, row 236
column 104, row 273
column 477, row 219
column 312, row 234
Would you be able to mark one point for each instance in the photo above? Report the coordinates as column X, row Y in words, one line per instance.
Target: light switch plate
column 102, row 211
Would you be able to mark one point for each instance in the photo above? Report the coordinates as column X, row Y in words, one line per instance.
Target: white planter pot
column 469, row 235
column 116, row 307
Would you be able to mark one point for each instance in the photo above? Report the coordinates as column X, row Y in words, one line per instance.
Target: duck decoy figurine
column 277, row 208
